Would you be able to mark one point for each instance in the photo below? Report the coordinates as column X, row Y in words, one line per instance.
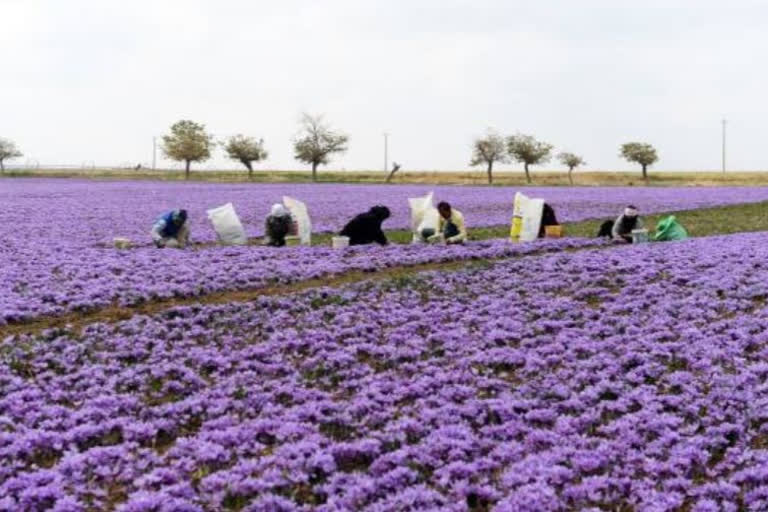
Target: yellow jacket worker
column 451, row 228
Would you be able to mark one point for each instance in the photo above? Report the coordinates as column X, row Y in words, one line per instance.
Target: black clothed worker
column 547, row 219
column 366, row 227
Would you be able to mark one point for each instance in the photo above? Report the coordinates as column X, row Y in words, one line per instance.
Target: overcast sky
column 94, row 80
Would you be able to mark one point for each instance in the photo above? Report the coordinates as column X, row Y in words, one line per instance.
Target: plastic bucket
column 639, row 236
column 340, row 242
column 553, row 231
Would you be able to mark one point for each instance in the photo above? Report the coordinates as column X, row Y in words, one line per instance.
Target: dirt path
column 77, row 320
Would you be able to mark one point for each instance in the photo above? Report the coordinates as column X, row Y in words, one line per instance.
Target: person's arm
column 615, row 230
column 267, row 238
column 379, row 236
column 157, row 231
column 458, row 221
column 439, row 233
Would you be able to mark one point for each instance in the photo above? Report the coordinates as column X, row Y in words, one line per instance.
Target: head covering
column 630, row 211
column 381, row 212
column 179, row 216
column 278, row 210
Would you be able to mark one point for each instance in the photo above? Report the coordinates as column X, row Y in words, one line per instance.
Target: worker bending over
column 621, row 229
column 548, row 218
column 451, row 228
column 365, row 228
column 171, row 229
column 278, row 225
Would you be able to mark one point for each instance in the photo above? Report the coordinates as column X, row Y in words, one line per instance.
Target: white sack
column 301, row 217
column 227, row 225
column 423, row 215
column 530, row 211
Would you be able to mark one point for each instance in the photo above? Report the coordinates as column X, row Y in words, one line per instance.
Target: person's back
column 365, row 228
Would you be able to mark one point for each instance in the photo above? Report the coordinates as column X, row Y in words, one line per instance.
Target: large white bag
column 301, row 217
column 423, row 216
column 526, row 218
column 228, row 228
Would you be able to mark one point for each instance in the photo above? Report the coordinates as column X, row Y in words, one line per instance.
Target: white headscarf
column 630, row 212
column 278, row 210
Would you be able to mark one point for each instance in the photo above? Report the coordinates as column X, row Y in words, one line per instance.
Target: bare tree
column 640, row 153
column 8, row 150
column 246, row 150
column 395, row 167
column 572, row 161
column 316, row 142
column 487, row 150
column 529, row 151
column 188, row 142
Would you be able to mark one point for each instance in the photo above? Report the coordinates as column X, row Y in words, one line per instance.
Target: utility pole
column 154, row 152
column 724, row 123
column 386, row 151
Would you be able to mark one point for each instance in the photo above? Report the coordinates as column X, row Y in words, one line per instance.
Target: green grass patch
column 721, row 220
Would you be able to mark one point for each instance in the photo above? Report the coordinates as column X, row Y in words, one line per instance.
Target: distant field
column 414, row 177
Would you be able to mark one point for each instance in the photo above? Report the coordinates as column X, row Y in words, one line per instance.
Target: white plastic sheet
column 227, row 225
column 301, row 217
column 423, row 216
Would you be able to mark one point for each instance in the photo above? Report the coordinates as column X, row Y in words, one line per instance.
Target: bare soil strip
column 75, row 321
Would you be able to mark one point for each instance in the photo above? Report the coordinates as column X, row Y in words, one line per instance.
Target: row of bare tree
column 495, row 148
column 316, row 142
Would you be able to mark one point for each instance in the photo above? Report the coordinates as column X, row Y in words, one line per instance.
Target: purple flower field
column 87, row 212
column 631, row 379
column 52, row 259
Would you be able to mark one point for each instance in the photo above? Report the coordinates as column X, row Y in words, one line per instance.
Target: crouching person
column 365, row 228
column 451, row 228
column 171, row 230
column 278, row 225
column 548, row 219
column 621, row 229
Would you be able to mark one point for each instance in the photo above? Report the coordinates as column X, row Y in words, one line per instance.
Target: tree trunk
column 527, row 174
column 314, row 171
column 186, row 170
column 570, row 175
column 247, row 164
column 2, row 166
column 391, row 174
column 645, row 173
column 490, row 172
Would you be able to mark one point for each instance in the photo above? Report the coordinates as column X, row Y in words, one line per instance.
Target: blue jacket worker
column 171, row 230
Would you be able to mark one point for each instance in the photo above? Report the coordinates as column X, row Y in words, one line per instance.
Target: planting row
column 631, row 379
column 71, row 279
column 49, row 213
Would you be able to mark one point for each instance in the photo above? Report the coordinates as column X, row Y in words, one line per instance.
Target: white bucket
column 639, row 236
column 122, row 243
column 340, row 242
